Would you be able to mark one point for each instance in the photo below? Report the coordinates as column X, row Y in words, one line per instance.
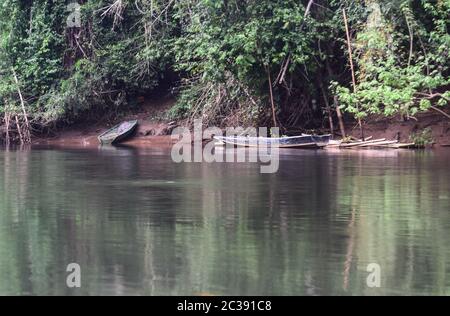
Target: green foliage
column 220, row 54
column 423, row 138
column 68, row 71
column 242, row 42
column 402, row 60
column 390, row 89
column 242, row 37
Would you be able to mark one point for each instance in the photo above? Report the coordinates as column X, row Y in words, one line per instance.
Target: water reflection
column 139, row 224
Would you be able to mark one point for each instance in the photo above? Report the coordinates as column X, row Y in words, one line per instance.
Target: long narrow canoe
column 305, row 141
column 118, row 133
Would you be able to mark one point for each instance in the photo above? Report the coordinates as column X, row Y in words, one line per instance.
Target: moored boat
column 304, row 141
column 118, row 133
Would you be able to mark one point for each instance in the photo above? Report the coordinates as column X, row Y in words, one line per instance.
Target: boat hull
column 118, row 134
column 305, row 141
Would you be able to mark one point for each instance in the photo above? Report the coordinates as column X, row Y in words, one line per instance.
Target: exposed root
column 223, row 104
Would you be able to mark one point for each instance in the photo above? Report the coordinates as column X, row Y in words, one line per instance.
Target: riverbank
column 153, row 132
column 397, row 129
column 149, row 134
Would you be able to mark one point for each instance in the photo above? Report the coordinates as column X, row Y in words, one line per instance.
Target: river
column 138, row 224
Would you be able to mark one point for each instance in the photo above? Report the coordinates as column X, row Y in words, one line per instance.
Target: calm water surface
column 139, row 224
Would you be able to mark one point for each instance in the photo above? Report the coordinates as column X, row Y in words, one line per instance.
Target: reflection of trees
column 139, row 224
column 62, row 207
column 398, row 209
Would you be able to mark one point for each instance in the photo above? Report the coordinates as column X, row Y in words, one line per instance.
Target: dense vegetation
column 289, row 63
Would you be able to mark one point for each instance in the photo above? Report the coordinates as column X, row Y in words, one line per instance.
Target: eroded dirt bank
column 155, row 133
column 396, row 128
column 151, row 132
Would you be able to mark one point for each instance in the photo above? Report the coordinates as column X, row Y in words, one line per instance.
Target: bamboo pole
column 380, row 144
column 411, row 41
column 358, row 144
column 399, row 146
column 27, row 136
column 352, row 67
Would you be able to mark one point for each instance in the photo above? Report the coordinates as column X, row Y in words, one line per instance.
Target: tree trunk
column 340, row 117
column 271, row 98
column 330, row 113
column 336, row 103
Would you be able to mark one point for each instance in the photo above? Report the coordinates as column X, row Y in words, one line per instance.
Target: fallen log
column 380, row 144
column 407, row 145
column 334, row 144
column 358, row 144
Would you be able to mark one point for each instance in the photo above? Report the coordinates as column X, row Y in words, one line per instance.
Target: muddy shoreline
column 147, row 135
column 154, row 133
column 398, row 129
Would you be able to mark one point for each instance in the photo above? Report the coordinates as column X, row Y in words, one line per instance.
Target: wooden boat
column 304, row 141
column 118, row 133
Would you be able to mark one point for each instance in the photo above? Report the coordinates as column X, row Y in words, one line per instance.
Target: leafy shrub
column 423, row 138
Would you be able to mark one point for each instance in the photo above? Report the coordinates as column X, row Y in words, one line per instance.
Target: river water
column 138, row 224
